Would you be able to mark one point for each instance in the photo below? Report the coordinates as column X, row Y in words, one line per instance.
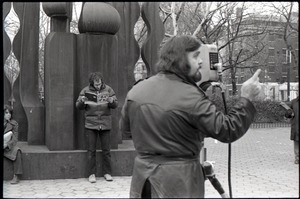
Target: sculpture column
column 28, row 110
column 155, row 35
column 26, row 46
column 129, row 51
column 60, row 55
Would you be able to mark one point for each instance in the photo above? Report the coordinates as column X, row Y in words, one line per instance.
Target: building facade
column 276, row 61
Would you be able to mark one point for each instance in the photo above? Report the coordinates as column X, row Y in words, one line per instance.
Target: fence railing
column 269, row 125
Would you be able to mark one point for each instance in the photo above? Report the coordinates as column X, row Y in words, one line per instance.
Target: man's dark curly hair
column 173, row 54
column 95, row 76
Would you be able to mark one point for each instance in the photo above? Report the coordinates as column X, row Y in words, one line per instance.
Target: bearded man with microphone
column 168, row 116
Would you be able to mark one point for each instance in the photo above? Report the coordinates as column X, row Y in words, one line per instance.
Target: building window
column 271, row 67
column 284, row 79
column 255, row 66
column 284, row 68
column 286, row 55
column 283, row 55
column 271, row 37
column 255, row 37
column 296, row 54
column 271, row 52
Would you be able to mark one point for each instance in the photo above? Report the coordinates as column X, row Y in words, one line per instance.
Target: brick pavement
column 262, row 166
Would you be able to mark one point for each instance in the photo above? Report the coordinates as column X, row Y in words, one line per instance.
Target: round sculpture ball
column 99, row 18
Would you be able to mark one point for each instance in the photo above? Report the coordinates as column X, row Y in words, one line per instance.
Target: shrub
column 267, row 111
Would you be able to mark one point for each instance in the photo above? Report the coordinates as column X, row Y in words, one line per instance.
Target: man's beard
column 194, row 78
column 197, row 76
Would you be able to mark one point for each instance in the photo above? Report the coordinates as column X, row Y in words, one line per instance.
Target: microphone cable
column 229, row 148
column 222, row 86
column 218, row 67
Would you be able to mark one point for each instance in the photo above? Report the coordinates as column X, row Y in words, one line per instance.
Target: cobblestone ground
column 262, row 165
column 69, row 188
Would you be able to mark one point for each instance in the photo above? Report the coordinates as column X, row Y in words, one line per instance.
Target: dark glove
column 205, row 85
column 289, row 113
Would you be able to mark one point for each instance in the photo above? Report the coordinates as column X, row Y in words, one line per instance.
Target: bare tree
column 237, row 45
column 11, row 25
column 75, row 17
column 219, row 23
column 44, row 31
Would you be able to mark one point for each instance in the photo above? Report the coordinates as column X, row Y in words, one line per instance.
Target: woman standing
column 293, row 114
column 11, row 150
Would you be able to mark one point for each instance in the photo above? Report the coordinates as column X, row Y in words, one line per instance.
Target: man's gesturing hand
column 251, row 88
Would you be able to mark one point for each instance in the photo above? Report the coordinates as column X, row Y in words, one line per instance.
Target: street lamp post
column 266, row 77
column 288, row 60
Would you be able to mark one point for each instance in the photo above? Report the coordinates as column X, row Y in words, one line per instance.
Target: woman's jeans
column 18, row 168
column 17, row 164
column 105, row 147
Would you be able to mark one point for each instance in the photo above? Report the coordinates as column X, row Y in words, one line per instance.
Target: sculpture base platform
column 39, row 163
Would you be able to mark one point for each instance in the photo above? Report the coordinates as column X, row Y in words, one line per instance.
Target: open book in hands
column 6, row 138
column 96, row 99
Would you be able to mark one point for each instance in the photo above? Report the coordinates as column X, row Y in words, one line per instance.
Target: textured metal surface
column 155, row 27
column 53, row 9
column 99, row 17
column 19, row 112
column 59, row 90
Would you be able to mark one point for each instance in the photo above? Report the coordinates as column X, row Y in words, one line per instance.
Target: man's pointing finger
column 256, row 74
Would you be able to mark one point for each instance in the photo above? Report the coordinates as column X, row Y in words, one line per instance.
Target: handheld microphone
column 209, row 173
column 217, row 185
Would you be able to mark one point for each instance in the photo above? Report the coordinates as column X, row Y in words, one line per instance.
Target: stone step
column 39, row 163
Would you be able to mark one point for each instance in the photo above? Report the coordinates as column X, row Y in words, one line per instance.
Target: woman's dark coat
column 11, row 150
column 294, row 105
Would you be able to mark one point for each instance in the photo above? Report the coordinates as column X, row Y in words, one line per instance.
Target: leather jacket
column 12, row 148
column 294, row 105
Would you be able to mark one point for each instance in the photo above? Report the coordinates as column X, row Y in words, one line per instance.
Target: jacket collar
column 92, row 88
column 9, row 125
column 172, row 75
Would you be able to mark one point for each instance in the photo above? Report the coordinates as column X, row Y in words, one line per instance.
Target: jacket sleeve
column 225, row 128
column 79, row 104
column 124, row 123
column 14, row 139
column 112, row 94
column 289, row 113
